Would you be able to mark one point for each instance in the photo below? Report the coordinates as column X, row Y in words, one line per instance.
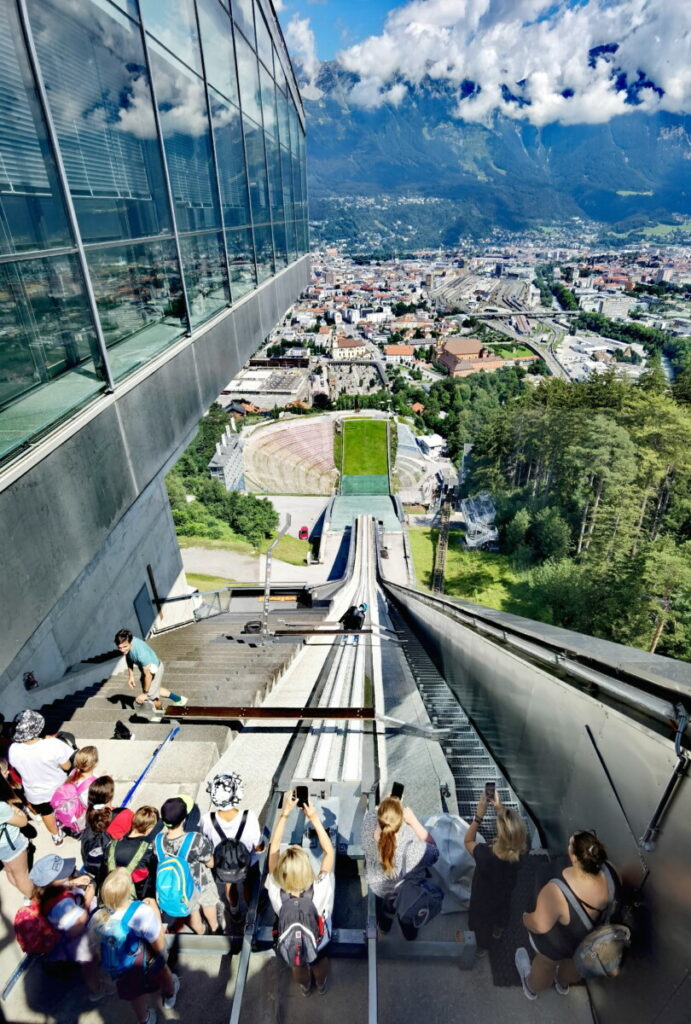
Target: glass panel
column 184, row 122
column 47, row 347
column 140, row 301
column 273, row 161
column 249, row 80
column 32, row 211
column 174, row 24
column 264, row 46
column 242, row 13
column 283, row 120
column 259, row 197
column 98, row 90
column 230, row 155
column 241, row 259
column 287, row 176
column 217, row 44
column 206, row 277
column 268, row 101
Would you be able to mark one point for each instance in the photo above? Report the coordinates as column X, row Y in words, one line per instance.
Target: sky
column 572, row 61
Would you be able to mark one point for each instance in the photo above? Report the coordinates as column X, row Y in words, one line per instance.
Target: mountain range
column 416, row 171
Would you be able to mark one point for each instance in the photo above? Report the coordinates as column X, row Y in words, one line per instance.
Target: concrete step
column 99, row 731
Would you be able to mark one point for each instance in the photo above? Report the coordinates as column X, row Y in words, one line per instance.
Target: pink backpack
column 70, row 812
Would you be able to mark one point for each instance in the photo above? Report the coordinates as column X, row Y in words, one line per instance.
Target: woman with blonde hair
column 128, row 936
column 292, row 874
column 394, row 842
column 496, row 871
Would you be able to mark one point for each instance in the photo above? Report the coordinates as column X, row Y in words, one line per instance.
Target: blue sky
column 338, row 23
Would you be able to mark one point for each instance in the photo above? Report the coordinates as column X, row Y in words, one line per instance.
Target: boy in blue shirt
column 139, row 654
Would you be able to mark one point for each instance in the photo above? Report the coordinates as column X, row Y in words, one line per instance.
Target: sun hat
column 28, row 725
column 225, row 790
column 51, row 867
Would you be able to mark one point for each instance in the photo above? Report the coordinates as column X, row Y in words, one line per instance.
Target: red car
column 304, row 533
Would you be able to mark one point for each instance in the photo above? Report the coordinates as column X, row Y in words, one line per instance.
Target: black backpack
column 231, row 857
column 418, row 899
column 299, row 929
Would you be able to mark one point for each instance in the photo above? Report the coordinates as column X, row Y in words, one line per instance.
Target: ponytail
column 390, row 819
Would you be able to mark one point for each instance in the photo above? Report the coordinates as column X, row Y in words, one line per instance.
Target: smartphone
column 490, row 788
column 397, row 790
column 302, row 794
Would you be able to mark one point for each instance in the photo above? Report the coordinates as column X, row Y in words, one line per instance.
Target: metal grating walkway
column 470, row 762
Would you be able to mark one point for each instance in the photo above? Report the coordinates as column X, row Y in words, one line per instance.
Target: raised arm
column 289, row 802
column 471, row 835
column 329, row 858
column 420, row 831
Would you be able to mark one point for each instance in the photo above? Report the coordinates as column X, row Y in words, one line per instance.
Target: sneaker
column 522, row 961
column 150, row 1017
column 181, row 702
column 321, row 989
column 58, row 837
column 105, row 989
column 169, row 1001
column 307, row 989
column 563, row 990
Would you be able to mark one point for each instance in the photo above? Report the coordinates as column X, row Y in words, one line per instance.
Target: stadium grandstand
column 291, row 457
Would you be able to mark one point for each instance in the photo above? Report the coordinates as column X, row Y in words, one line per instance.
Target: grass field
column 288, row 549
column 202, row 582
column 364, row 447
column 511, row 351
column 479, row 576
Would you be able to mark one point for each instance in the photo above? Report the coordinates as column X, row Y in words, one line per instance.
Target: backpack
column 175, row 885
column 418, row 900
column 69, row 809
column 33, row 931
column 299, row 929
column 120, row 947
column 94, row 846
column 132, row 866
column 601, row 951
column 231, row 857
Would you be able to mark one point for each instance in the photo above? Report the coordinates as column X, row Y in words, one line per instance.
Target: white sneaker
column 58, row 837
column 563, row 990
column 150, row 1017
column 169, row 1001
column 179, row 703
column 522, row 961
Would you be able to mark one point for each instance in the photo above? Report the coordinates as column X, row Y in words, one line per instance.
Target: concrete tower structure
column 153, row 229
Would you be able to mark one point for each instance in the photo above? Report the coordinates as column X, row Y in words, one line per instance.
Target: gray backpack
column 601, row 951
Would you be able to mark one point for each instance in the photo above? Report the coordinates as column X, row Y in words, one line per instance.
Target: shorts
column 7, row 854
column 156, row 680
column 141, row 979
column 43, row 809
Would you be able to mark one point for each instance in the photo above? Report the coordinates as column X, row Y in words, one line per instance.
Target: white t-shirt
column 39, row 766
column 322, row 896
column 251, row 834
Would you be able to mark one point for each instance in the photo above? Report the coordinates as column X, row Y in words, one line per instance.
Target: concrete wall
column 86, row 511
column 535, row 726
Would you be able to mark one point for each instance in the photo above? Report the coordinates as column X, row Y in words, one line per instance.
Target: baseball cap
column 51, row 867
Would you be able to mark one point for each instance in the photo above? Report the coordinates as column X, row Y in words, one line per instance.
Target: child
column 71, row 799
column 225, row 822
column 135, row 852
column 174, row 813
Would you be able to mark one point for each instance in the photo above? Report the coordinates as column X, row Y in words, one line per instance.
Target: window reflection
column 184, row 122
column 139, row 298
column 276, row 200
column 264, row 46
column 259, row 198
column 242, row 14
column 206, row 277
column 230, row 154
column 241, row 260
column 249, row 80
column 32, row 213
column 49, row 362
column 174, row 24
column 217, row 44
column 268, row 90
column 98, row 89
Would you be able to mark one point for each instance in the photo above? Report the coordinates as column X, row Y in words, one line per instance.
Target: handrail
column 567, row 652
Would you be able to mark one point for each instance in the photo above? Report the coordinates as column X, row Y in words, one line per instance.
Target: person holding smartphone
column 394, row 842
column 496, row 869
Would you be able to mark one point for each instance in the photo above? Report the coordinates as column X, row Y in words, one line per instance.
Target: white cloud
column 302, row 45
column 497, row 44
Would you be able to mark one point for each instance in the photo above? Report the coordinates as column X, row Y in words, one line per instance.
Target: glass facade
column 151, row 175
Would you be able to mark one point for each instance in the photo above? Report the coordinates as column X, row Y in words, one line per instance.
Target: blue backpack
column 119, row 946
column 174, row 883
